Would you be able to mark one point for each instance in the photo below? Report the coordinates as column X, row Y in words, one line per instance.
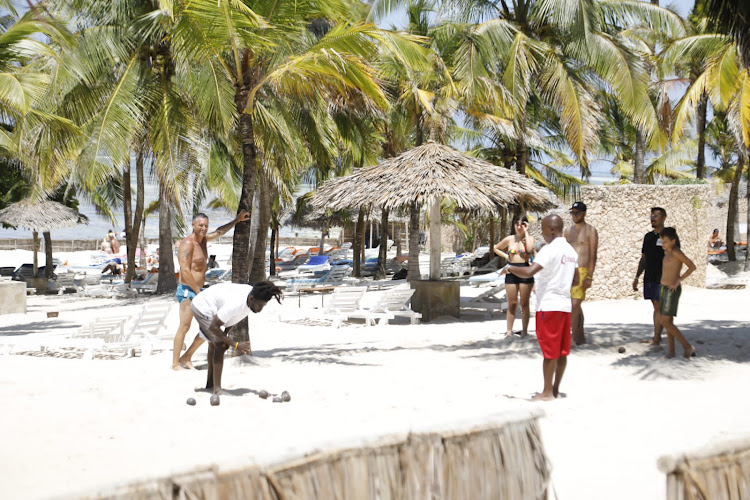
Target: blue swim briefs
column 184, row 292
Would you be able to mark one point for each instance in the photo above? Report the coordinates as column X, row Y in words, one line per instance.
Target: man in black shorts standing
column 652, row 256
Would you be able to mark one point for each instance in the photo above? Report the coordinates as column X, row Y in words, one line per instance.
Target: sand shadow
column 35, row 327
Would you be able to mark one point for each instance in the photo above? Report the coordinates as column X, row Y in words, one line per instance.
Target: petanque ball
column 215, row 401
column 263, row 394
column 190, row 401
column 277, row 399
column 621, row 350
column 285, row 397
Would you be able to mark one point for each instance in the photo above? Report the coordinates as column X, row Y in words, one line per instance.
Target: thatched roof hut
column 428, row 173
column 40, row 216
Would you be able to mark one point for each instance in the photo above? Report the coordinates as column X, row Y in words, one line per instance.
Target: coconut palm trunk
column 732, row 209
column 167, row 279
column 380, row 272
column 132, row 220
column 48, row 267
column 241, row 240
column 700, row 164
column 274, row 251
column 359, row 232
column 640, row 154
column 258, row 270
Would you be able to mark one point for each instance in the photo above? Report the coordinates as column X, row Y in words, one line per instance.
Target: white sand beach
column 73, row 426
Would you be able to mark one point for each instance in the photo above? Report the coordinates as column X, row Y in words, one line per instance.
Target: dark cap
column 579, row 205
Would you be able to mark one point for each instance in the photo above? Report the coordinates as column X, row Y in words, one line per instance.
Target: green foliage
column 685, row 181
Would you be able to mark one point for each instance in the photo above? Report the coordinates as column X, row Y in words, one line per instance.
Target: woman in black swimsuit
column 517, row 249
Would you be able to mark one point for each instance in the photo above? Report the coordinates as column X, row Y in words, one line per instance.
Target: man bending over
column 225, row 305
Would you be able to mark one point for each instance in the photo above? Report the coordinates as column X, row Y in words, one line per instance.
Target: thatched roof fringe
column 41, row 216
column 432, row 172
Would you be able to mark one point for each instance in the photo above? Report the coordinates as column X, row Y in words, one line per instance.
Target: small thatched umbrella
column 40, row 216
column 427, row 174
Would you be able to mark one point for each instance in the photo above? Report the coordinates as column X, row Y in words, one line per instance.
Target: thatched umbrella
column 42, row 217
column 427, row 174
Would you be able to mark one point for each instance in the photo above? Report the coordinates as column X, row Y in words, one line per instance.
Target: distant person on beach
column 212, row 264
column 556, row 270
column 113, row 267
column 153, row 259
column 652, row 255
column 671, row 289
column 584, row 238
column 517, row 250
column 714, row 241
column 192, row 256
column 225, row 305
column 113, row 241
column 105, row 246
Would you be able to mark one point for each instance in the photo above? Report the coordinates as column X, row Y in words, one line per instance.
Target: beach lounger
column 146, row 285
column 390, row 304
column 488, row 301
column 335, row 276
column 344, row 300
column 484, row 279
column 144, row 330
column 316, row 263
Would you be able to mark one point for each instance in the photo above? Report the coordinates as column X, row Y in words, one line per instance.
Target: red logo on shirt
column 566, row 260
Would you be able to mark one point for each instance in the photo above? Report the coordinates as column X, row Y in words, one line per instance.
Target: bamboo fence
column 495, row 460
column 719, row 472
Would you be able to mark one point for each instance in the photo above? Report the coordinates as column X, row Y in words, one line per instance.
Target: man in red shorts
column 555, row 270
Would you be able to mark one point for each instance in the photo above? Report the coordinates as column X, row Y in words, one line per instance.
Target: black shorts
column 512, row 279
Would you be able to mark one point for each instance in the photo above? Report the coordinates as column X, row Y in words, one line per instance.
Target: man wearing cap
column 584, row 238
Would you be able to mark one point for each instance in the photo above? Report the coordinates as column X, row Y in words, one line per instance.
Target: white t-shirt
column 559, row 261
column 228, row 301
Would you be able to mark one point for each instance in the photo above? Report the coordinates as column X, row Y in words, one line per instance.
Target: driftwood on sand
column 718, row 472
column 503, row 459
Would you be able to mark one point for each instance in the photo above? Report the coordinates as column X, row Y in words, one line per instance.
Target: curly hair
column 266, row 290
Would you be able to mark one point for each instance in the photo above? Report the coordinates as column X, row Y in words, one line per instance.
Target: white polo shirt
column 559, row 261
column 228, row 301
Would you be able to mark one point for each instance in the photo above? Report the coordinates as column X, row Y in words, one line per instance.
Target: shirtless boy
column 671, row 289
column 192, row 256
column 584, row 238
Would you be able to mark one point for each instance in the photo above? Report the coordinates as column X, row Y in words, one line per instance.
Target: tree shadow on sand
column 321, row 354
column 35, row 327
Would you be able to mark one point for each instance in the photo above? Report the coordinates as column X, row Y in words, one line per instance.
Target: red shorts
column 553, row 333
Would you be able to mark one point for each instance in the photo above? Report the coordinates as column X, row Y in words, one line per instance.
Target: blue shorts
column 651, row 291
column 184, row 292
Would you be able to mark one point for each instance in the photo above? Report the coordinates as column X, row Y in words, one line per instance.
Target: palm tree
column 727, row 83
column 554, row 54
column 268, row 51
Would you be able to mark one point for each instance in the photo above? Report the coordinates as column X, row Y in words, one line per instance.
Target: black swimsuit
column 512, row 279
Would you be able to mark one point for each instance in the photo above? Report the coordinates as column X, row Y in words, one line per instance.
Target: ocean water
column 100, row 225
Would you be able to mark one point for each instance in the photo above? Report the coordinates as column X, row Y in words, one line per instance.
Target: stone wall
column 621, row 216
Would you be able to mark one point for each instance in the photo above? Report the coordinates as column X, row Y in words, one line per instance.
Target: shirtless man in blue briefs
column 193, row 257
